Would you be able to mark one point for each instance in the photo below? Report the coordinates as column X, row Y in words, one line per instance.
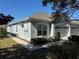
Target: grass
column 7, row 42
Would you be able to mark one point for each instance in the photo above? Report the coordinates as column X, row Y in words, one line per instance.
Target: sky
column 22, row 8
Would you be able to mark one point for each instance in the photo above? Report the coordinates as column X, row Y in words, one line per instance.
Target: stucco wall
column 29, row 30
column 21, row 32
column 63, row 28
column 33, row 31
column 8, row 29
column 74, row 30
column 13, row 29
column 25, row 31
column 63, row 32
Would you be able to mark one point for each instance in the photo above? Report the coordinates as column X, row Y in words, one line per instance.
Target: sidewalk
column 20, row 41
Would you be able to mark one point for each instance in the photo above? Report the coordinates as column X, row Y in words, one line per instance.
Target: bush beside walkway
column 3, row 32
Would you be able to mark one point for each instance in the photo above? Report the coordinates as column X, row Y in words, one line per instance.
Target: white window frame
column 42, row 29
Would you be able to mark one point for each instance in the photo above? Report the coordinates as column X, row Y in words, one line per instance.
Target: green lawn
column 7, row 42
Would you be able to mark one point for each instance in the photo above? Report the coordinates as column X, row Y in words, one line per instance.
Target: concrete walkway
column 19, row 41
column 27, row 45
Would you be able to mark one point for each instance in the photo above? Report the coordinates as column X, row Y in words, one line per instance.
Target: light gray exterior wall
column 34, row 29
column 25, row 31
column 13, row 29
column 8, row 29
column 63, row 29
column 29, row 30
column 74, row 30
column 21, row 32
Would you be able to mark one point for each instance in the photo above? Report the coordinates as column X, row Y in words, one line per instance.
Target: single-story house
column 40, row 25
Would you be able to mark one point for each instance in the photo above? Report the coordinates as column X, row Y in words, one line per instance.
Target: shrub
column 65, row 51
column 57, row 36
column 3, row 32
column 74, row 38
column 38, row 41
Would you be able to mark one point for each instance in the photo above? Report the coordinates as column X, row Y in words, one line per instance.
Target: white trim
column 52, row 30
column 47, row 30
column 69, row 32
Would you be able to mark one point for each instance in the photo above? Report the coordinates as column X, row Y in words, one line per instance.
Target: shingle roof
column 42, row 16
column 39, row 16
column 74, row 22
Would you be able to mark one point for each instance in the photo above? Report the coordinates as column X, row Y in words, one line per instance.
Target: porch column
column 69, row 31
column 52, row 31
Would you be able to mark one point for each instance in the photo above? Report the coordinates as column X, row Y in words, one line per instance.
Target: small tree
column 3, row 32
column 62, row 7
column 57, row 36
column 4, row 20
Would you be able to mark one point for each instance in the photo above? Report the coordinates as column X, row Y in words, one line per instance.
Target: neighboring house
column 40, row 25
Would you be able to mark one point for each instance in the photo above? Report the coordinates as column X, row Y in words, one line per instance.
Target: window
column 41, row 29
column 16, row 28
column 22, row 25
